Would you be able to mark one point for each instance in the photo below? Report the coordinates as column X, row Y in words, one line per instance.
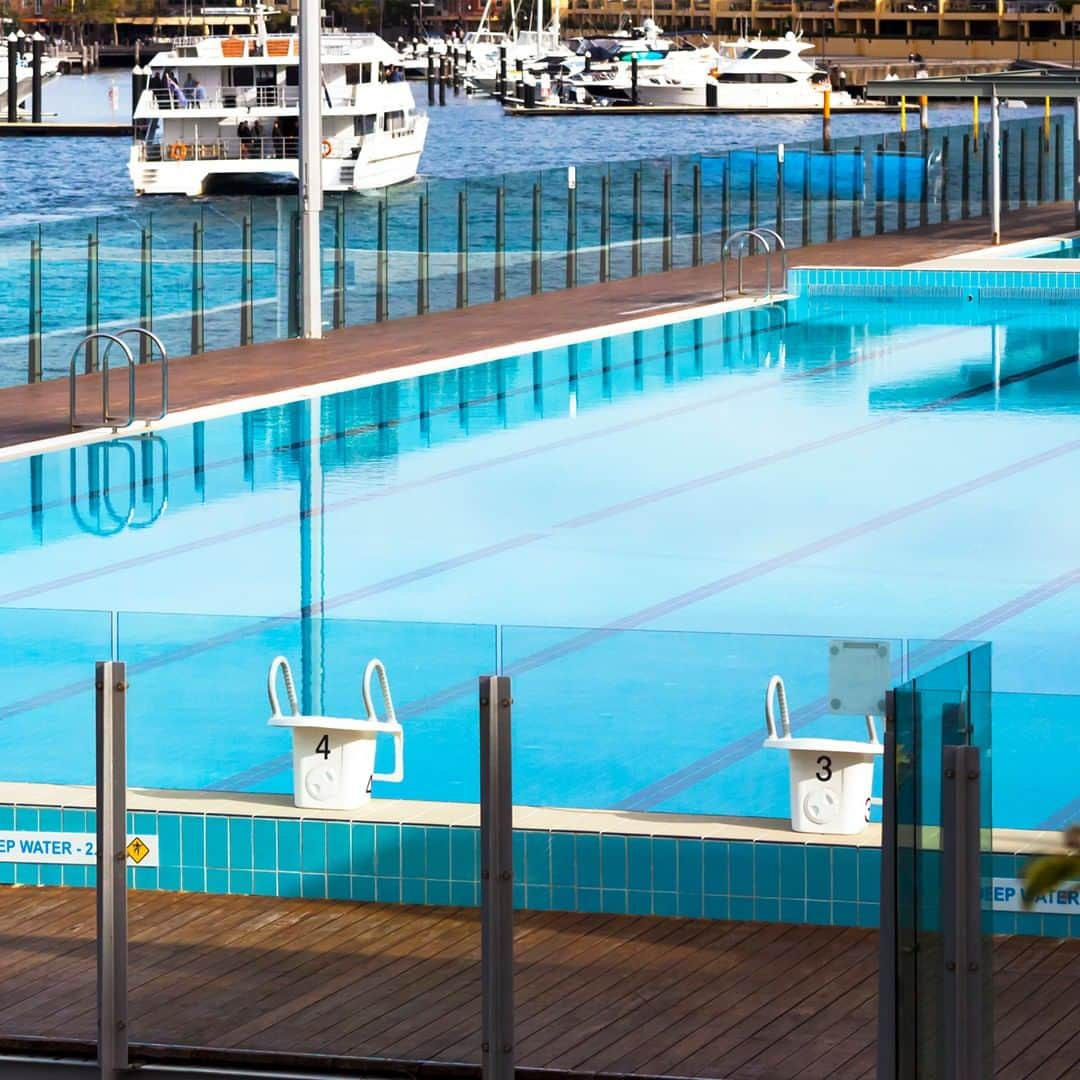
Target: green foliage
column 1046, row 873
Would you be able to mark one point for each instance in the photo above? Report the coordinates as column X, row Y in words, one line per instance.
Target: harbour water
column 55, row 179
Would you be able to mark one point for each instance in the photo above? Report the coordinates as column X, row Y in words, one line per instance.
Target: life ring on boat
column 178, row 151
column 326, row 148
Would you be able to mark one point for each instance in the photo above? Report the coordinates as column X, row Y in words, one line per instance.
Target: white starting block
column 831, row 779
column 334, row 757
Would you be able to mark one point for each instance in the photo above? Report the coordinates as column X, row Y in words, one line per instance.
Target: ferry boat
column 228, row 107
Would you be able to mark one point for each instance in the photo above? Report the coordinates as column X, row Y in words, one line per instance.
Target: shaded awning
column 1058, row 83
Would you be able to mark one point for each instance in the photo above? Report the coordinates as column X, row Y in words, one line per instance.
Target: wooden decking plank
column 535, row 936
column 595, row 959
column 699, row 990
column 1063, row 1063
column 739, row 1008
column 1046, row 1003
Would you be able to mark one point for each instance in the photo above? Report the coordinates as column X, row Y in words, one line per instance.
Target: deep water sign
column 72, row 849
column 1009, row 894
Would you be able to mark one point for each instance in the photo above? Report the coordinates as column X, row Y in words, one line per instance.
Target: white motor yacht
column 229, row 107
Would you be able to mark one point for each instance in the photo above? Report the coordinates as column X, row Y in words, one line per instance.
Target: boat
column 770, row 75
column 672, row 78
column 24, row 74
column 226, row 109
column 535, row 50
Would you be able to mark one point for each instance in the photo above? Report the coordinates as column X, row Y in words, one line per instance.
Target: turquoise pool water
column 1063, row 250
column 711, row 501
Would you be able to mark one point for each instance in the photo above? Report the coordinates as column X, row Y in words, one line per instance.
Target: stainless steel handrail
column 154, row 340
column 106, row 419
column 783, row 253
column 745, row 235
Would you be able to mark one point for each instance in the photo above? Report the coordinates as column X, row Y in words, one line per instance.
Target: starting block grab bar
column 106, row 419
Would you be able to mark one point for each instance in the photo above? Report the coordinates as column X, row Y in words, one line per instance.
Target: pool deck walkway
column 33, row 413
column 596, row 994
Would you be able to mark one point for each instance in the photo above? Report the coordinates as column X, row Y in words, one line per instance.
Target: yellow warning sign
column 137, row 850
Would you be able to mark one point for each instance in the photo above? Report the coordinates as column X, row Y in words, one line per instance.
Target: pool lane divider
column 282, row 520
column 309, row 391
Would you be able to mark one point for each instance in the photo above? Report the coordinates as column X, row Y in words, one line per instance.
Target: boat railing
column 228, row 149
column 225, row 97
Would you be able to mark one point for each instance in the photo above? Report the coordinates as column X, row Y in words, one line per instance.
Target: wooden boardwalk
column 595, row 993
column 40, row 411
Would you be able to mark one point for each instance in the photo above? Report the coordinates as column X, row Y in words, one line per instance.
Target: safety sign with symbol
column 72, row 849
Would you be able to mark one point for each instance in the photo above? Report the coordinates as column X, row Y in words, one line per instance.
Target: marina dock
column 516, row 108
column 379, row 989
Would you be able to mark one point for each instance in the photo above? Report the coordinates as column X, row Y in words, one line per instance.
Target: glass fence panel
column 687, row 196
column 405, row 264
column 523, row 232
column 449, row 262
column 484, row 237
column 584, row 227
column 554, row 189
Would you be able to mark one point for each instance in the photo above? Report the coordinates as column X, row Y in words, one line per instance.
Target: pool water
column 712, row 501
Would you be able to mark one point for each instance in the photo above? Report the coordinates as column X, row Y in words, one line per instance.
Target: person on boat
column 176, row 94
column 277, row 138
column 257, row 140
column 197, row 93
column 243, row 133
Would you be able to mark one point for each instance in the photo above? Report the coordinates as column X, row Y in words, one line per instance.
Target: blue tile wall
column 554, row 870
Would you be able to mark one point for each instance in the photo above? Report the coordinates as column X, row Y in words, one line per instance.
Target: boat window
column 292, row 75
column 241, row 76
column 352, row 74
column 394, row 121
column 771, row 54
column 265, row 75
column 367, row 73
column 363, row 125
column 754, row 77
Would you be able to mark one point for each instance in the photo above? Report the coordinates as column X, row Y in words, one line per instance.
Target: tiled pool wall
column 790, row 881
column 962, row 285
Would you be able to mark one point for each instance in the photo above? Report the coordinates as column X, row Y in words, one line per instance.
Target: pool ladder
column 741, row 243
column 106, row 418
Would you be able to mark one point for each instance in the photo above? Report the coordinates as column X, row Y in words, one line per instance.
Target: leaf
column 1046, row 873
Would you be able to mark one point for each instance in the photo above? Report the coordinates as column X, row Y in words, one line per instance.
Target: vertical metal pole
column 537, row 268
column 1006, row 184
column 879, row 191
column 111, row 689
column 945, row 211
column 33, row 373
column 633, row 80
column 247, row 309
column 961, row 914
column 571, row 227
column 605, row 227
column 1059, row 161
column 292, row 301
column 965, row 177
column 92, row 300
column 635, row 248
column 858, row 172
column 382, row 264
column 995, row 169
column 1043, row 145
column 197, row 288
column 496, row 880
column 422, row 255
column 780, row 189
column 984, row 180
column 463, row 249
column 146, row 289
column 339, row 264
column 430, row 76
column 830, row 222
column 668, row 243
column 1076, row 164
column 725, row 206
column 888, row 939
column 752, row 209
column 1022, row 193
column 198, row 455
column 807, row 199
column 924, row 195
column 500, row 242
column 697, row 255
column 311, row 183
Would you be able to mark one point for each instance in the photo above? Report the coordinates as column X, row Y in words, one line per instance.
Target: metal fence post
column 879, row 190
column 339, row 264
column 422, row 257
column 382, row 265
column 807, row 199
column 830, row 224
column 500, row 243
column 858, row 171
column 635, row 248
column 92, row 298
column 1059, row 161
column 961, row 915
column 571, row 227
column 752, row 207
column 1022, row 192
column 197, row 340
column 33, row 373
column 463, row 249
column 536, row 280
column 965, row 176
column 605, row 227
column 292, row 300
column 668, row 242
column 247, row 309
column 146, row 289
column 111, row 689
column 496, row 879
column 780, row 188
column 697, row 256
column 888, row 939
column 945, row 212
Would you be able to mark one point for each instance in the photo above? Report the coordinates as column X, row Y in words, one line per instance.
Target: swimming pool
column 710, row 500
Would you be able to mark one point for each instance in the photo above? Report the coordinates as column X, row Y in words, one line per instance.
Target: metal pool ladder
column 744, row 238
column 106, row 419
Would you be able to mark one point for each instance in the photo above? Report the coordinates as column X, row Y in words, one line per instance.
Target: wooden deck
column 595, row 993
column 30, row 413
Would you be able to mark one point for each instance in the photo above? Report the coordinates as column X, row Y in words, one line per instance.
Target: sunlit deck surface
column 40, row 411
column 595, row 993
